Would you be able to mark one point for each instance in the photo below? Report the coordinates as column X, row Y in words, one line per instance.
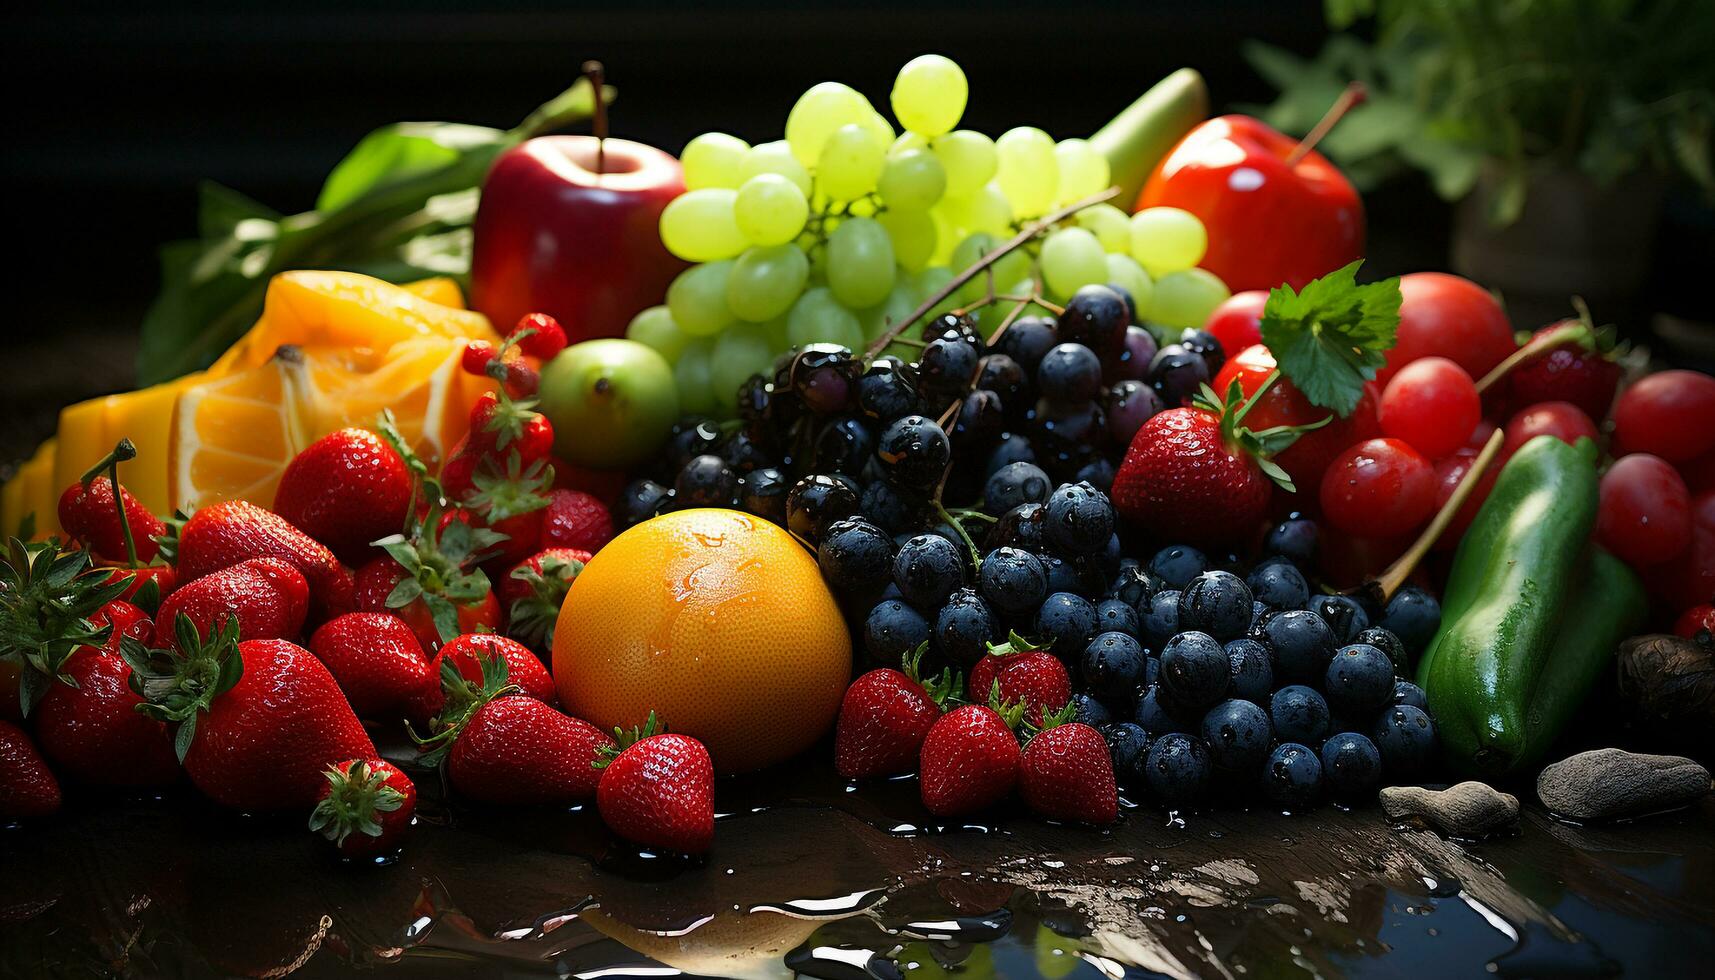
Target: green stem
column 941, row 510
column 123, row 452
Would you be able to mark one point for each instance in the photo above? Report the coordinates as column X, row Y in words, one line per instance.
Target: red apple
column 1269, row 221
column 556, row 235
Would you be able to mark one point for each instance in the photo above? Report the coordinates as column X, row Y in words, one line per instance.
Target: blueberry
column 964, row 627
column 1135, row 353
column 1406, row 738
column 1069, row 373
column 1153, row 715
column 888, row 391
column 1113, row 666
column 1194, row 670
column 1131, row 585
column 1098, row 473
column 1293, row 539
column 1177, row 769
column 1344, row 615
column 1302, row 645
column 913, row 452
column 947, row 363
column 1405, row 692
column 763, row 492
column 1161, row 621
column 1216, row 603
column 1128, row 747
column 1096, row 317
column 1176, row 565
column 1013, row 485
column 643, row 499
column 1251, row 672
column 1116, row 616
column 1010, row 449
column 1385, row 641
column 1026, row 341
column 891, row 630
column 1089, row 711
column 705, row 481
column 855, row 556
column 1020, row 527
column 1299, row 714
column 1351, row 766
column 1359, row 681
column 1013, row 580
column 1413, row 615
column 1177, row 374
column 815, row 503
column 1129, row 404
column 892, row 509
column 1080, row 519
column 1064, row 576
column 1002, row 375
column 927, row 569
column 1238, row 734
column 1204, row 344
column 1065, row 624
column 1292, row 776
column 1259, row 615
column 1278, row 585
column 1151, row 669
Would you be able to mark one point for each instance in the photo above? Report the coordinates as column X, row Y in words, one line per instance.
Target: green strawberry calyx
column 1260, row 445
column 464, row 699
column 532, row 617
column 177, row 686
column 623, row 739
column 945, row 689
column 355, row 802
column 1011, row 712
column 47, row 596
column 439, row 567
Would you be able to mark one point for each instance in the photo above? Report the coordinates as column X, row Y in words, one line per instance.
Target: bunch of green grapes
column 838, row 231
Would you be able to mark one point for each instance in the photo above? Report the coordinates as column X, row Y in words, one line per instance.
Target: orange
column 717, row 621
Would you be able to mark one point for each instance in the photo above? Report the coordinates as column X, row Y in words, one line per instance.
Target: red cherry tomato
column 1237, row 322
column 1378, row 488
column 1688, row 579
column 1695, row 620
column 1283, row 404
column 1645, row 513
column 1449, row 473
column 1446, row 316
column 1670, row 414
column 1432, row 404
column 1562, row 420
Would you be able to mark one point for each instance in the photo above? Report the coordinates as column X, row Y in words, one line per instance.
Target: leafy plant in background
column 398, row 207
column 1603, row 87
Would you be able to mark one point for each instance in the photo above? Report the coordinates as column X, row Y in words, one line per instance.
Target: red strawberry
column 659, row 791
column 87, row 513
column 1066, row 773
column 27, row 787
column 165, row 577
column 259, row 721
column 512, row 503
column 604, row 485
column 546, row 337
column 533, row 591
column 468, row 652
column 884, row 716
column 222, row 535
column 50, row 600
column 378, row 663
column 346, row 489
column 1017, row 671
column 428, row 578
column 969, row 760
column 576, row 520
column 267, row 597
column 1580, row 371
column 499, row 422
column 365, row 808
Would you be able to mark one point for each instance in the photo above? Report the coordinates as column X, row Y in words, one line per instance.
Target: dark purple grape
column 763, row 492
column 743, row 453
column 1096, row 317
column 1129, row 405
column 825, row 376
column 948, row 365
column 955, row 325
column 1012, row 448
column 1177, row 374
column 913, row 453
column 981, row 419
column 1205, row 345
column 1069, row 372
column 815, row 503
column 1002, row 375
column 1026, row 341
column 1133, row 360
column 705, row 481
column 1020, row 527
column 888, row 390
column 689, row 439
column 844, row 446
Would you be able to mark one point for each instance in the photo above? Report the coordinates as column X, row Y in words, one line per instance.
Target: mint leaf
column 1332, row 336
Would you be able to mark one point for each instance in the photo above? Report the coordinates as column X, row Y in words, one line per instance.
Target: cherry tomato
column 1695, row 620
column 1670, row 414
column 1283, row 404
column 1444, row 315
column 1562, row 420
column 1688, row 579
column 1237, row 322
column 1378, row 488
column 1645, row 513
column 1449, row 473
column 1432, row 404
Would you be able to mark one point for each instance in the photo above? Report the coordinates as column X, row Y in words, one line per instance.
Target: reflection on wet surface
column 810, row 878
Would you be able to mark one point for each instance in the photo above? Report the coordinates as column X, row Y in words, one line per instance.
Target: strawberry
column 511, row 503
column 1017, row 671
column 165, row 579
column 365, row 808
column 122, row 530
column 1067, row 774
column 576, row 520
column 969, row 760
column 1580, row 369
column 378, row 663
column 346, row 489
column 27, row 786
column 429, row 578
column 467, row 653
column 604, row 485
column 222, row 535
column 533, row 591
column 539, row 335
column 658, row 790
column 267, row 597
column 49, row 600
column 884, row 716
column 499, row 422
column 258, row 721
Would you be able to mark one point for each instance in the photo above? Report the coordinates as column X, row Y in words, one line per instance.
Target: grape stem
column 941, row 511
column 1395, row 574
column 1028, row 233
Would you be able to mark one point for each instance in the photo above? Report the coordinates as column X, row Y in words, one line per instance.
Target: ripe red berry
column 1645, row 511
column 1562, row 420
column 1237, row 322
column 1432, row 404
column 1670, row 414
column 548, row 339
column 1449, row 473
column 1378, row 488
column 477, row 354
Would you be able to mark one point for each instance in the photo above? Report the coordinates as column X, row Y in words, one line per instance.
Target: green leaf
column 392, row 153
column 182, row 738
column 1332, row 336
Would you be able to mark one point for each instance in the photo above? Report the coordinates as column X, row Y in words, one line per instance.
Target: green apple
column 612, row 402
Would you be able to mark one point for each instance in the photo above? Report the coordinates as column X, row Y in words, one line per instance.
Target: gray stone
column 1469, row 809
column 1604, row 784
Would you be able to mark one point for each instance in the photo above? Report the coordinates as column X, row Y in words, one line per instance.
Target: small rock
column 1604, row 784
column 1469, row 809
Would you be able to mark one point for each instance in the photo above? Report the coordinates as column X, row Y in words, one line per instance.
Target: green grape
column 969, row 158
column 1028, row 175
column 946, row 237
column 1124, row 271
column 913, row 236
column 1083, row 170
column 1167, row 240
column 863, row 207
column 896, row 307
column 1072, row 257
column 913, row 180
column 691, row 372
column 765, row 280
column 907, row 141
column 777, row 158
column 1186, row 298
column 775, row 330
column 861, row 267
column 655, row 328
column 770, row 209
column 879, row 128
column 930, row 281
column 1110, row 225
column 929, row 95
column 714, row 160
column 818, row 112
column 988, row 210
column 1011, row 267
column 699, row 226
column 818, row 318
column 697, row 298
column 850, row 164
column 740, row 352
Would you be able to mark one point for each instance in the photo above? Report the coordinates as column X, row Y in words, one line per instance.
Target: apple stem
column 598, row 125
column 1350, row 99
